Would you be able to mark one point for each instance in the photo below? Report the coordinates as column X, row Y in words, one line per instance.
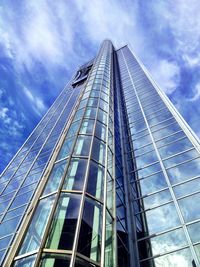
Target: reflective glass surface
column 62, row 230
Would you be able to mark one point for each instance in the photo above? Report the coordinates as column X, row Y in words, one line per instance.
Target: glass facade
column 109, row 177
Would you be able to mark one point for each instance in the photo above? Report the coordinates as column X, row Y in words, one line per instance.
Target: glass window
column 5, row 241
column 166, row 131
column 66, row 148
column 79, row 114
column 190, row 207
column 87, row 127
column 21, row 199
column 25, row 262
column 184, row 171
column 82, row 146
column 98, row 151
column 170, row 138
column 93, row 102
column 110, row 185
column 149, row 170
column 95, row 180
column 197, row 249
column 157, row 199
column 73, row 129
column 83, row 103
column 194, row 232
column 143, row 141
column 175, row 147
column 180, row 158
column 90, row 112
column 91, row 230
column 63, row 227
column 153, row 183
column 109, row 246
column 102, row 116
column 55, row 177
column 55, row 260
column 37, row 226
column 75, row 175
column 100, row 131
column 187, row 188
column 166, row 242
column 143, row 150
column 181, row 258
column 146, row 159
column 158, row 219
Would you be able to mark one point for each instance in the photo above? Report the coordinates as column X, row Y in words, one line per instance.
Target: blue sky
column 42, row 42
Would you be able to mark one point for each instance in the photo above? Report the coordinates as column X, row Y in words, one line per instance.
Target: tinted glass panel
column 62, row 230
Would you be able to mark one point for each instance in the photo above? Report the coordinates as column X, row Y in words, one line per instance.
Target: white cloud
column 167, row 75
column 183, row 20
column 196, row 92
column 37, row 103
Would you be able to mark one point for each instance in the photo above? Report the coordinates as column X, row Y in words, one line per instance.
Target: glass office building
column 109, row 177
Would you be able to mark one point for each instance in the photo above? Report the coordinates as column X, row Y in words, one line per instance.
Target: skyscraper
column 109, row 177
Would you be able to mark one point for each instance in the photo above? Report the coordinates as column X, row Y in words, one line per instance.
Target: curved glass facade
column 110, row 176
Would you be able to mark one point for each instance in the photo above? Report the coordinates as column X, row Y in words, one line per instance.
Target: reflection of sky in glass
column 184, row 171
column 187, row 188
column 190, row 207
column 153, row 183
column 181, row 258
column 157, row 199
column 194, row 232
column 162, row 218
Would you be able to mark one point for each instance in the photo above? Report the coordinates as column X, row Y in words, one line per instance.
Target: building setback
column 109, row 177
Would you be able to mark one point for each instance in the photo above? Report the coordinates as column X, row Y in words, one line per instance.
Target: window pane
column 184, row 171
column 37, row 226
column 109, row 249
column 66, row 148
column 75, row 175
column 98, row 151
column 166, row 242
column 175, row 147
column 190, row 207
column 55, row 177
column 25, row 262
column 95, row 180
column 62, row 230
column 73, row 129
column 90, row 232
column 158, row 219
column 180, row 158
column 82, row 146
column 194, row 232
column 182, row 258
column 55, row 260
column 90, row 112
column 153, row 183
column 157, row 199
column 187, row 188
column 146, row 159
column 100, row 131
column 87, row 126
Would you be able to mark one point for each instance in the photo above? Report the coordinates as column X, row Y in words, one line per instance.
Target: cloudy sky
column 42, row 42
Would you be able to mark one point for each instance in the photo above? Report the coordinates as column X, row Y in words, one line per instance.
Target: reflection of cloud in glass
column 162, row 218
column 169, row 241
column 190, row 207
column 157, row 199
column 181, row 258
column 187, row 188
column 153, row 183
column 184, row 171
column 194, row 232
